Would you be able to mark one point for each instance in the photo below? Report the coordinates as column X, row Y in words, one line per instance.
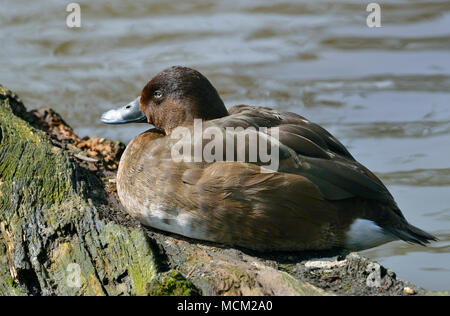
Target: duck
column 317, row 198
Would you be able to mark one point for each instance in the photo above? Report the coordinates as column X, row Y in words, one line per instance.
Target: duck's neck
column 210, row 110
column 207, row 109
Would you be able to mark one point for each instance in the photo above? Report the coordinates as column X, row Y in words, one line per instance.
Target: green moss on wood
column 136, row 259
column 7, row 284
column 29, row 166
column 172, row 284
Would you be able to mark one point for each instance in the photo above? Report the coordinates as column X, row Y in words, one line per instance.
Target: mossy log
column 57, row 236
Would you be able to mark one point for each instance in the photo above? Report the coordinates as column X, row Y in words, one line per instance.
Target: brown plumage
column 312, row 201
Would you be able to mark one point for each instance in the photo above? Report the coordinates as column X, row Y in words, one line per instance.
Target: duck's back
column 319, row 196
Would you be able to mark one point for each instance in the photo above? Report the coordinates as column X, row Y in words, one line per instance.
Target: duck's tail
column 412, row 234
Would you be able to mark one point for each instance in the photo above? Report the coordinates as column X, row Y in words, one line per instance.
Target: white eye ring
column 157, row 94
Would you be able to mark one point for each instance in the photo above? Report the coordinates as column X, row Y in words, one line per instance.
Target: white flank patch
column 183, row 223
column 365, row 234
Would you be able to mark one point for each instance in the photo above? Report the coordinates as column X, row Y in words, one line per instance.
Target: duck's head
column 174, row 97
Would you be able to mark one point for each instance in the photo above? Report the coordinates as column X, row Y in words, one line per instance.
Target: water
column 384, row 92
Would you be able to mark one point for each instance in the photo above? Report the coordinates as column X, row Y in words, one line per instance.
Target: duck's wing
column 289, row 123
column 309, row 150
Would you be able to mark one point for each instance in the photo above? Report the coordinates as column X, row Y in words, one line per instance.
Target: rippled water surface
column 384, row 92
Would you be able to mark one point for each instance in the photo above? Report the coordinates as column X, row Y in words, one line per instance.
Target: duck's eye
column 157, row 94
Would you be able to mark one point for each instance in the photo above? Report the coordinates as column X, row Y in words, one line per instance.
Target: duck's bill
column 130, row 113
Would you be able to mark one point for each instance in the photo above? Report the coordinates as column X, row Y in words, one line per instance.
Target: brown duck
column 319, row 197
